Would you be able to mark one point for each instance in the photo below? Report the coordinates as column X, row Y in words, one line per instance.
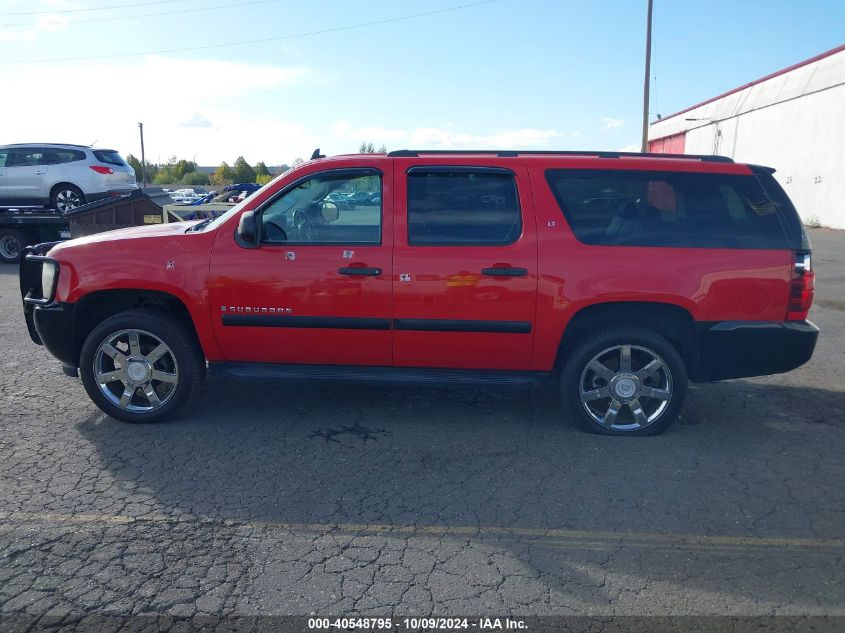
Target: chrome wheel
column 10, row 248
column 625, row 387
column 67, row 200
column 136, row 371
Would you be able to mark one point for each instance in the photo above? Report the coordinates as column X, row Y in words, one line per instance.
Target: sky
column 432, row 74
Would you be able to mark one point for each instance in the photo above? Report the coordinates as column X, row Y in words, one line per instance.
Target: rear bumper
column 740, row 349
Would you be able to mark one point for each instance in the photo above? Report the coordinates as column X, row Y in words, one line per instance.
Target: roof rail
column 412, row 153
column 36, row 144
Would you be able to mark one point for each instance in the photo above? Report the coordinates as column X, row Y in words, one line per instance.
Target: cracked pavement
column 265, row 499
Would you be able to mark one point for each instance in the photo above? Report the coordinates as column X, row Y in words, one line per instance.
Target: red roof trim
column 833, row 51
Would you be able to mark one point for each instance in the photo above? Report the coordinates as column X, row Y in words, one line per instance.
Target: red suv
column 622, row 276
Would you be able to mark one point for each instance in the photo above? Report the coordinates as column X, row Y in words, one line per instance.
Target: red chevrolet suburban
column 622, row 276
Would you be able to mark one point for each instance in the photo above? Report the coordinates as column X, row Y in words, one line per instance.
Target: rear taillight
column 102, row 170
column 801, row 287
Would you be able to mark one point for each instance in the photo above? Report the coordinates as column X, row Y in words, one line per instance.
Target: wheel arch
column 670, row 320
column 65, row 183
column 94, row 307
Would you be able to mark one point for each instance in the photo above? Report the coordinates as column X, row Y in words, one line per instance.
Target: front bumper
column 740, row 349
column 52, row 325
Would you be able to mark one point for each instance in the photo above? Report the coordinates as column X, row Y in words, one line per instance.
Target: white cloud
column 197, row 120
column 443, row 138
column 202, row 122
column 610, row 124
column 26, row 28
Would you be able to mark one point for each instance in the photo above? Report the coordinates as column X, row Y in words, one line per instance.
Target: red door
column 465, row 265
column 317, row 289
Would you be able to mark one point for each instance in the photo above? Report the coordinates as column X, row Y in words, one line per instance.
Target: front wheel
column 624, row 381
column 141, row 366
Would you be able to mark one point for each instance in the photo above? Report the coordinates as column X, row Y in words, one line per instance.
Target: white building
column 792, row 120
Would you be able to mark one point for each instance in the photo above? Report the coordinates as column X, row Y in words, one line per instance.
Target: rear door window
column 462, row 206
column 29, row 157
column 674, row 209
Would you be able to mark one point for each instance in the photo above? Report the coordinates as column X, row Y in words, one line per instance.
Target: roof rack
column 412, row 153
column 36, row 144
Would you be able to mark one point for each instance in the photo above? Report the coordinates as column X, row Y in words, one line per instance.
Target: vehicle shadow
column 506, row 471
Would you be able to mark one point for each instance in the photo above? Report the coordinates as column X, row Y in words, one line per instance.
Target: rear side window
column 675, row 209
column 469, row 206
column 59, row 156
column 109, row 157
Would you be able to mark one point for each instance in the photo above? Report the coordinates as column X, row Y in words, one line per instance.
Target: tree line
column 178, row 171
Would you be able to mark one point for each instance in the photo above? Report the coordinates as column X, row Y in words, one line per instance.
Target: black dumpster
column 116, row 212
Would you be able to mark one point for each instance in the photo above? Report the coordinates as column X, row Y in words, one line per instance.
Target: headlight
column 48, row 279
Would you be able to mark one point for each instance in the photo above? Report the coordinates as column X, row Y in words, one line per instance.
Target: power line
column 113, row 6
column 147, row 15
column 360, row 25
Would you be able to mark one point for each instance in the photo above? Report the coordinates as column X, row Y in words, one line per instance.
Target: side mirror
column 330, row 212
column 247, row 230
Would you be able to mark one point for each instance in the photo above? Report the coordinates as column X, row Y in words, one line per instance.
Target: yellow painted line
column 546, row 536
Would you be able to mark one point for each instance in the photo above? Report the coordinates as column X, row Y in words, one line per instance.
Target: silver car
column 60, row 176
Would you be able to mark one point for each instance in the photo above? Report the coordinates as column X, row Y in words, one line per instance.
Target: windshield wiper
column 200, row 225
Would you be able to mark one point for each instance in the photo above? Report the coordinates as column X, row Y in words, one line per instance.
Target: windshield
column 236, row 209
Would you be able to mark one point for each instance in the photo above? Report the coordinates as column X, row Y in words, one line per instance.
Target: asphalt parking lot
column 331, row 500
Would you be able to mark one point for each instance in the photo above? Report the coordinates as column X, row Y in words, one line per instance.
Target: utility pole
column 646, row 82
column 144, row 160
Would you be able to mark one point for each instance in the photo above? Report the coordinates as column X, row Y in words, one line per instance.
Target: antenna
column 317, row 154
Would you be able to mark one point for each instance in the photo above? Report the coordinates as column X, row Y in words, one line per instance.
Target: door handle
column 39, row 173
column 360, row 270
column 503, row 271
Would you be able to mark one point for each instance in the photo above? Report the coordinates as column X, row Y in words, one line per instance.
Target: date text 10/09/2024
column 417, row 624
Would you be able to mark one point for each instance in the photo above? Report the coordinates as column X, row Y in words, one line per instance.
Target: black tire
column 184, row 355
column 66, row 197
column 644, row 347
column 12, row 243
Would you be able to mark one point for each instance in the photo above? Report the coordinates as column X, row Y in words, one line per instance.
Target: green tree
column 366, row 148
column 263, row 179
column 195, row 178
column 135, row 164
column 223, row 175
column 261, row 170
column 182, row 167
column 243, row 172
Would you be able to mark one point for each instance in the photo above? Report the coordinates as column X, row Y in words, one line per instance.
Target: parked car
column 60, row 176
column 622, row 277
column 340, row 199
column 230, row 193
column 359, row 198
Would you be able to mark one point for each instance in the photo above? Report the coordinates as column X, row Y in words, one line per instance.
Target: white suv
column 60, row 176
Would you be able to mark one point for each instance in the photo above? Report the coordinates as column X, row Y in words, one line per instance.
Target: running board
column 380, row 375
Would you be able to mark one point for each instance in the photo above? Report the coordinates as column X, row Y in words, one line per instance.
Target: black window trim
column 547, row 175
column 339, row 172
column 461, row 169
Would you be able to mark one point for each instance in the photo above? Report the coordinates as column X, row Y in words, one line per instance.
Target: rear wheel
column 66, row 198
column 624, row 381
column 141, row 366
column 12, row 243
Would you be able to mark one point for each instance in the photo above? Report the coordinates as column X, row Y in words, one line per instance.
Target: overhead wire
column 263, row 40
column 114, row 18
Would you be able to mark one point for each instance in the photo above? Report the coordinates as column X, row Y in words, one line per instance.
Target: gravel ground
column 332, row 500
